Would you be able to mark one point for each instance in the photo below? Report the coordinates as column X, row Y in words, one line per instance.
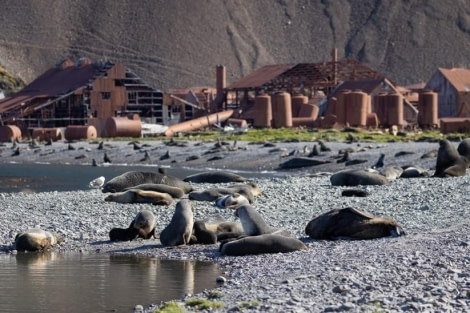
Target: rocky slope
column 179, row 43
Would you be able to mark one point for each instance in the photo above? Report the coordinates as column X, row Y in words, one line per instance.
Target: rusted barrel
column 297, row 102
column 341, row 104
column 356, row 112
column 309, row 110
column 9, row 133
column 122, row 127
column 304, row 121
column 78, row 132
column 262, row 112
column 331, row 106
column 428, row 109
column 44, row 134
column 395, row 109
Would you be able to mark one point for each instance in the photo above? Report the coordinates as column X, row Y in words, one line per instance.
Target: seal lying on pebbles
column 248, row 190
column 215, row 177
column 211, row 231
column 232, row 201
column 179, row 231
column 175, row 192
column 464, row 148
column 142, row 226
column 134, row 178
column 352, row 223
column 254, row 224
column 355, row 193
column 267, row 243
column 123, row 234
column 35, row 239
column 357, row 177
column 449, row 162
column 301, row 162
column 140, row 196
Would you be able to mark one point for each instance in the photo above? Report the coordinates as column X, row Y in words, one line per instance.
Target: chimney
column 221, row 77
column 334, row 55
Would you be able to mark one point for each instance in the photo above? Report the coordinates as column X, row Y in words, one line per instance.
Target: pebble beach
column 428, row 270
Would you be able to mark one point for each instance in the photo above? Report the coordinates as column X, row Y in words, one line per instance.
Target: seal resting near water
column 215, row 177
column 267, row 243
column 142, row 226
column 352, row 223
column 140, row 196
column 175, row 192
column 449, row 162
column 254, row 224
column 134, row 178
column 357, row 177
column 179, row 231
column 35, row 239
column 215, row 228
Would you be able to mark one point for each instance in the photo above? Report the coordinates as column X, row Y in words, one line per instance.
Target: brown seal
column 179, row 231
column 175, row 192
column 352, row 223
column 267, row 243
column 35, row 239
column 215, row 177
column 357, row 177
column 254, row 224
column 449, row 162
column 140, row 196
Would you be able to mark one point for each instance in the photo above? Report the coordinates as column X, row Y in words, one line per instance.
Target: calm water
column 73, row 282
column 53, row 177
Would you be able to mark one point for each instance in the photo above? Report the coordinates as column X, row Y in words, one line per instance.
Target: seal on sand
column 175, row 192
column 267, row 243
column 35, row 239
column 215, row 177
column 179, row 231
column 134, row 178
column 140, row 196
column 352, row 223
column 449, row 162
column 232, row 201
column 253, row 223
column 357, row 177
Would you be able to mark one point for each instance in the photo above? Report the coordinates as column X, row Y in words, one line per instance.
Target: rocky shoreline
column 426, row 270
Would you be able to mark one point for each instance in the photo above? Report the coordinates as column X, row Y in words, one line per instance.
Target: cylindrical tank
column 122, row 127
column 356, row 111
column 282, row 110
column 9, row 133
column 262, row 112
column 331, row 104
column 309, row 110
column 77, row 132
column 341, row 104
column 297, row 102
column 372, row 121
column 379, row 107
column 428, row 109
column 394, row 104
column 303, row 121
column 44, row 134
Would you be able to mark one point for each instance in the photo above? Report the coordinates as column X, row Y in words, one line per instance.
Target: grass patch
column 171, row 307
column 203, row 304
column 214, row 294
column 250, row 304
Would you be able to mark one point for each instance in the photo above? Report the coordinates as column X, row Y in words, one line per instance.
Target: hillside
column 175, row 44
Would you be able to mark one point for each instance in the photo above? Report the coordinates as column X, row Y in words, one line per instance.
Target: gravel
column 428, row 270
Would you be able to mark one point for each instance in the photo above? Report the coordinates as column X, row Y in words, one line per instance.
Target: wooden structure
column 74, row 93
column 453, row 91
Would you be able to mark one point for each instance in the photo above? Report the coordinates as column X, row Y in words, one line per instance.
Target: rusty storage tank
column 394, row 105
column 331, row 104
column 262, row 111
column 379, row 107
column 341, row 104
column 372, row 120
column 9, row 133
column 309, row 110
column 297, row 102
column 356, row 111
column 44, row 134
column 428, row 109
column 122, row 127
column 78, row 132
column 282, row 110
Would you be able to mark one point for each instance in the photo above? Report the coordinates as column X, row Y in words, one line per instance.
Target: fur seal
column 175, row 192
column 391, row 172
column 357, row 177
column 413, row 171
column 232, row 201
column 35, row 239
column 179, row 231
column 447, row 156
column 215, row 177
column 355, row 193
column 301, row 162
column 145, row 223
column 140, row 196
column 249, row 190
column 215, row 229
column 380, row 161
column 267, row 243
column 134, row 178
column 253, row 223
column 123, row 234
column 202, row 235
column 352, row 223
column 464, row 148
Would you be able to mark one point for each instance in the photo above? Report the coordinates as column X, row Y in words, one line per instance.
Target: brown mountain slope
column 179, row 43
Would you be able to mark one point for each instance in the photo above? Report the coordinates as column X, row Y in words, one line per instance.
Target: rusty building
column 80, row 93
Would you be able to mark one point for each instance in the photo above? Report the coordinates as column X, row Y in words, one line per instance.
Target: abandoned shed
column 184, row 104
column 453, row 91
column 81, row 93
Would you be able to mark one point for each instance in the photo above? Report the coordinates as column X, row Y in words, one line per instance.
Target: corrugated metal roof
column 365, row 85
column 458, row 77
column 261, row 76
column 51, row 84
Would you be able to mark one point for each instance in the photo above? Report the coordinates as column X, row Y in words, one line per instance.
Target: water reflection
column 73, row 282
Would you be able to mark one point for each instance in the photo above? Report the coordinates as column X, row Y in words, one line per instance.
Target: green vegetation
column 203, row 304
column 8, row 83
column 170, row 307
column 214, row 294
column 251, row 304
